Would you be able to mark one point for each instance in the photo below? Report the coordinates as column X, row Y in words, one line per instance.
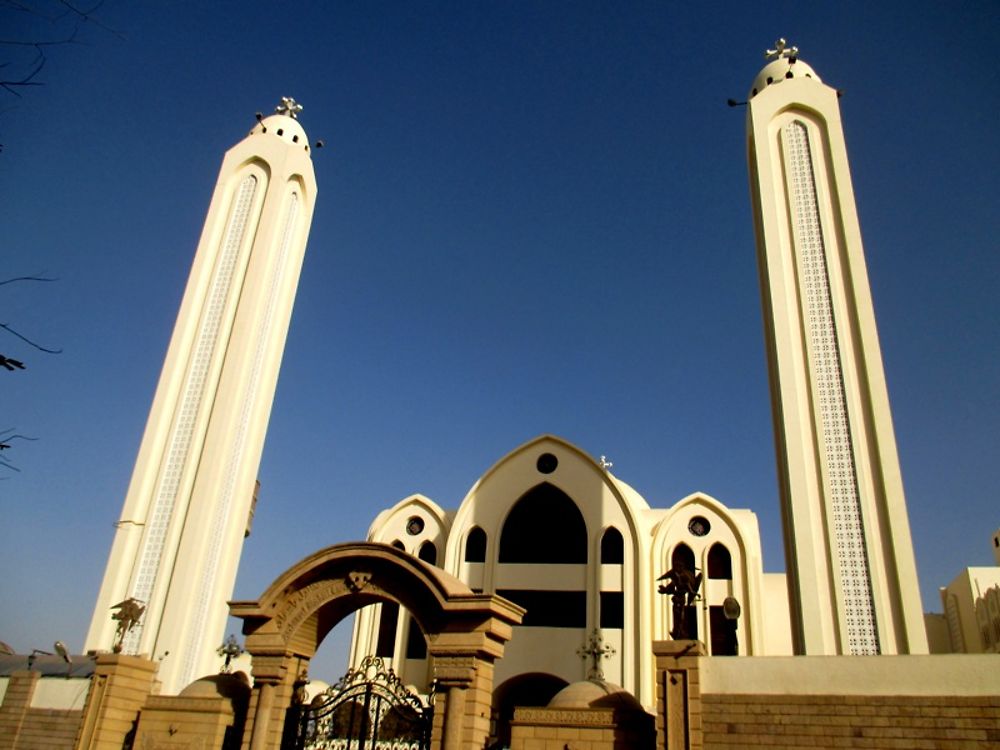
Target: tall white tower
column 178, row 543
column 851, row 571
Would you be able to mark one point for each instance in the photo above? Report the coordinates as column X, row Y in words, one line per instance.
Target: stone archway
column 466, row 633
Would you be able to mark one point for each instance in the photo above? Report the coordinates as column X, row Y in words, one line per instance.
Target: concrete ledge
column 939, row 675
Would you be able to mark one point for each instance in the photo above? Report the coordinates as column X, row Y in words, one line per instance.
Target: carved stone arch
column 466, row 632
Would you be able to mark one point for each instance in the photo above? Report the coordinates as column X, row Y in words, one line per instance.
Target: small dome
column 594, row 694
column 779, row 70
column 235, row 687
column 285, row 127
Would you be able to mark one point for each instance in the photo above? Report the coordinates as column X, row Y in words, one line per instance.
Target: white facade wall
column 971, row 605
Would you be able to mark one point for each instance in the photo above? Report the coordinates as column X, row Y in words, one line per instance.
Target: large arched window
column 475, row 545
column 544, row 526
column 612, row 547
column 720, row 562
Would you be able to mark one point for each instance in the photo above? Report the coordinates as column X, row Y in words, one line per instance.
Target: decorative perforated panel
column 845, row 520
column 223, row 508
column 954, row 624
column 192, row 393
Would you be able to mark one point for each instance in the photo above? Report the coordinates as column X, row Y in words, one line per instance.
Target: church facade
column 551, row 529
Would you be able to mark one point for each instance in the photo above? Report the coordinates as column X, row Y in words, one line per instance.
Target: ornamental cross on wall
column 595, row 650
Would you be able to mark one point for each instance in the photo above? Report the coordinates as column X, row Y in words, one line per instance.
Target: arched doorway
column 531, row 689
column 466, row 633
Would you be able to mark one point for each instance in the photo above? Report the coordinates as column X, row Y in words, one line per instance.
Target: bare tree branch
column 87, row 16
column 25, row 339
column 12, row 364
column 5, row 440
column 69, row 10
column 27, row 80
column 26, row 278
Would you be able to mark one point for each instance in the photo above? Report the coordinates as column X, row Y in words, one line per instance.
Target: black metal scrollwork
column 369, row 708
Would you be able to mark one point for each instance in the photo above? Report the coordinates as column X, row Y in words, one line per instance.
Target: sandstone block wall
column 25, row 728
column 734, row 721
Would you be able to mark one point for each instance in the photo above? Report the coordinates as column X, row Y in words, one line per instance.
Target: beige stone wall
column 25, row 728
column 733, row 722
column 559, row 737
column 580, row 729
column 178, row 721
column 880, row 702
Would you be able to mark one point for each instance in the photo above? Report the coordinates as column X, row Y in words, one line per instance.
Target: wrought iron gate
column 367, row 709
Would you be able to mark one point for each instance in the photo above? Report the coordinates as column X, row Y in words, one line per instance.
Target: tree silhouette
column 41, row 25
column 10, row 364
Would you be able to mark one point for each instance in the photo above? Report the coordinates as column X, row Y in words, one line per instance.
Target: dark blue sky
column 532, row 217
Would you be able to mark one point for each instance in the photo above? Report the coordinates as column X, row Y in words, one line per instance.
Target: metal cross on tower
column 289, row 107
column 595, row 650
column 781, row 49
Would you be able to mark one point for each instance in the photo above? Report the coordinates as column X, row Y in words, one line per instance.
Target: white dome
column 286, row 128
column 780, row 70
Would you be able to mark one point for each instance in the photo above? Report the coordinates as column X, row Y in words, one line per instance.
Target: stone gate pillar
column 678, row 694
column 121, row 685
column 274, row 678
column 463, row 700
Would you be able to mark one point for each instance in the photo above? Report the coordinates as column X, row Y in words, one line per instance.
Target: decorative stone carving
column 358, row 580
column 458, row 671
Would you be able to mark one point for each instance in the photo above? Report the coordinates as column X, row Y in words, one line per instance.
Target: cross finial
column 595, row 650
column 231, row 649
column 289, row 107
column 781, row 49
column 605, row 464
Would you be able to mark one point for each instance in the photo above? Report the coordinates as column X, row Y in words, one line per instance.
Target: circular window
column 414, row 526
column 547, row 463
column 699, row 526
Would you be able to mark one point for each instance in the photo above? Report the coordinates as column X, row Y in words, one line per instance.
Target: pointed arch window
column 544, row 526
column 682, row 556
column 475, row 545
column 387, row 621
column 416, row 642
column 612, row 547
column 720, row 562
column 428, row 553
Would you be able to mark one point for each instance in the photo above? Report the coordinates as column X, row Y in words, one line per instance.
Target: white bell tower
column 852, row 576
column 177, row 546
